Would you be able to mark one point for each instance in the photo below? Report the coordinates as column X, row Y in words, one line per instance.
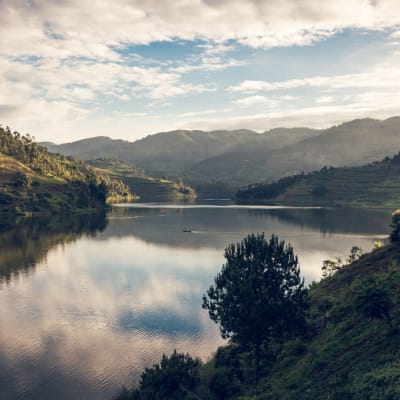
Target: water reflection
column 101, row 301
column 25, row 242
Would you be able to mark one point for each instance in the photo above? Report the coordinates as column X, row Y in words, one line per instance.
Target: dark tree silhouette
column 395, row 225
column 174, row 378
column 373, row 301
column 259, row 294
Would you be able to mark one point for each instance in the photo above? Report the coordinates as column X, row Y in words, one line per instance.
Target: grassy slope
column 344, row 356
column 374, row 185
column 146, row 188
column 52, row 192
column 34, row 181
column 349, row 357
column 46, row 193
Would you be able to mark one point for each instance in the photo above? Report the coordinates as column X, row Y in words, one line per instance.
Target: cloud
column 373, row 104
column 61, row 61
column 74, row 28
column 395, row 35
column 256, row 100
column 379, row 76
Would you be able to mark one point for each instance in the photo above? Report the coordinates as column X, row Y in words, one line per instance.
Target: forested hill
column 35, row 181
column 373, row 185
column 227, row 160
column 145, row 187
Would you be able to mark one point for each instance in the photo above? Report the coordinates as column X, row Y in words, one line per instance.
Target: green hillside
column 35, row 181
column 349, row 356
column 217, row 163
column 373, row 185
column 144, row 187
column 343, row 353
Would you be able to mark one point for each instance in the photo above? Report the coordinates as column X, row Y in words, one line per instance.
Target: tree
column 174, row 378
column 259, row 294
column 356, row 253
column 331, row 266
column 395, row 234
column 373, row 301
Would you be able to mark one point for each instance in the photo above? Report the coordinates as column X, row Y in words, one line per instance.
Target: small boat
column 187, row 230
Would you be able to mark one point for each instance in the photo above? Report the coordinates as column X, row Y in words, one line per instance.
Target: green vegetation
column 375, row 185
column 146, row 188
column 395, row 225
column 35, row 181
column 332, row 265
column 258, row 296
column 350, row 348
column 173, row 379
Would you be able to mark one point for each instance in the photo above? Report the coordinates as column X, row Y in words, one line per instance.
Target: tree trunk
column 257, row 349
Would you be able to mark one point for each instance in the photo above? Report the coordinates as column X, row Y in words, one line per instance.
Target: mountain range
column 227, row 160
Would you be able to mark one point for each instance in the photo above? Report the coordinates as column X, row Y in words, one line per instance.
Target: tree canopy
column 259, row 294
column 173, row 378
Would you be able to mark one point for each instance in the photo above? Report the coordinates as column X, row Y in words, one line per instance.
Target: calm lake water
column 87, row 302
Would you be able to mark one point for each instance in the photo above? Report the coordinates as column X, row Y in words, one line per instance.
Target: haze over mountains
column 231, row 159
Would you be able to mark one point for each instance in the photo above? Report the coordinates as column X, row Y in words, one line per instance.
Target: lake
column 88, row 301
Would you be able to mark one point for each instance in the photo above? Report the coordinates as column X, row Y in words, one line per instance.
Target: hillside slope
column 373, row 185
column 34, row 181
column 350, row 356
column 143, row 186
column 350, row 144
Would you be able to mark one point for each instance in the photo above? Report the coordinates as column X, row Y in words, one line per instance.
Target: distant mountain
column 163, row 152
column 221, row 161
column 353, row 143
column 174, row 152
column 375, row 185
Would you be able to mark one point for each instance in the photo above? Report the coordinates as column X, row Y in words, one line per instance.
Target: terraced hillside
column 373, row 185
column 144, row 187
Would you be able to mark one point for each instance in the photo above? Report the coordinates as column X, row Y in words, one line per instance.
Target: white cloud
column 74, row 28
column 372, row 104
column 325, row 99
column 380, row 76
column 206, row 64
column 256, row 100
column 395, row 35
column 60, row 60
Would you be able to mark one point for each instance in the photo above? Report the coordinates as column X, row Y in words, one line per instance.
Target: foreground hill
column 344, row 354
column 34, row 181
column 373, row 185
column 349, row 356
column 225, row 160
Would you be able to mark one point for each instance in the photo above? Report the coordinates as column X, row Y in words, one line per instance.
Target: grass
column 346, row 347
column 42, row 195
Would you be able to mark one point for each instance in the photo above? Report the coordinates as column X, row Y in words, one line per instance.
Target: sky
column 72, row 69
